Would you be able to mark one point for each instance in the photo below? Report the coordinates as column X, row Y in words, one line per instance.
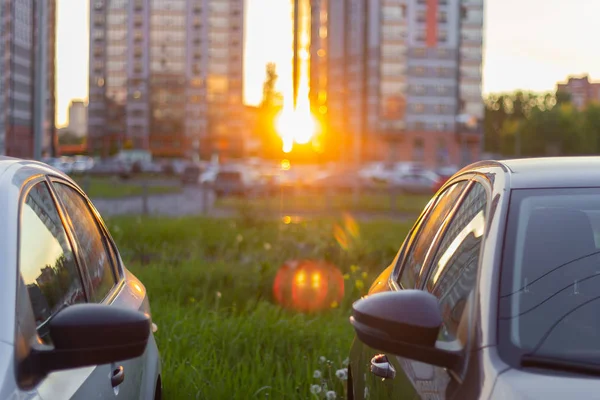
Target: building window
column 420, row 52
column 421, row 16
column 419, row 108
column 420, row 36
column 419, row 71
column 419, row 126
column 443, row 17
column 442, row 36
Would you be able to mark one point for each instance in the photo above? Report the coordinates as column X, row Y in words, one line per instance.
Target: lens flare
column 351, row 225
column 340, row 237
column 308, row 285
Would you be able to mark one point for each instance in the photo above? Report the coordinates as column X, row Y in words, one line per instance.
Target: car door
column 50, row 279
column 452, row 277
column 100, row 264
column 367, row 382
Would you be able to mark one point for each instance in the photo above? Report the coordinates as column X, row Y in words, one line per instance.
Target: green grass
column 110, row 188
column 220, row 334
column 320, row 202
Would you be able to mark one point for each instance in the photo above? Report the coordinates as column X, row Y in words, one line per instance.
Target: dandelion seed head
column 322, row 359
column 317, row 374
column 342, row 373
column 315, row 389
column 330, row 395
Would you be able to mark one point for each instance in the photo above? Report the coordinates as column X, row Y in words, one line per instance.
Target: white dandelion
column 342, row 373
column 330, row 395
column 317, row 374
column 315, row 389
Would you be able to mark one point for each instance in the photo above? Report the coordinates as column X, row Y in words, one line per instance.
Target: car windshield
column 550, row 277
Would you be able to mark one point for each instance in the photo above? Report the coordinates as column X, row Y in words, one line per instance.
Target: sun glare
column 298, row 125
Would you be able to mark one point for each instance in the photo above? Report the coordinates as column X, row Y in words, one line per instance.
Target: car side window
column 91, row 243
column 46, row 260
column 424, row 235
column 454, row 269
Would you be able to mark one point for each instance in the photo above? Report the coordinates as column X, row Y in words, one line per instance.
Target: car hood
column 521, row 385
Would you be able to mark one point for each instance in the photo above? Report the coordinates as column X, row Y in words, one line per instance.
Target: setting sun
column 296, row 124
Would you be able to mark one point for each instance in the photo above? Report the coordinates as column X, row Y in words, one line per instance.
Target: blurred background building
column 166, row 76
column 19, row 45
column 581, row 91
column 399, row 79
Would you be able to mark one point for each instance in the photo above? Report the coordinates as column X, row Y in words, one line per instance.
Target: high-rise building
column 19, row 71
column 78, row 118
column 166, row 76
column 400, row 79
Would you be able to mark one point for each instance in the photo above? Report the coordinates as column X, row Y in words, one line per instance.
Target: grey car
column 75, row 322
column 493, row 294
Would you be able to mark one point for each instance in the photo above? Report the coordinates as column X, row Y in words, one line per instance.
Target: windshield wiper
column 558, row 364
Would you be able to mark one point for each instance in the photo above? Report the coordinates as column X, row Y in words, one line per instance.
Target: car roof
column 554, row 172
column 546, row 172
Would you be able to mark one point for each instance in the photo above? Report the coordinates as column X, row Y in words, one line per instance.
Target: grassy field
column 113, row 187
column 315, row 202
column 221, row 335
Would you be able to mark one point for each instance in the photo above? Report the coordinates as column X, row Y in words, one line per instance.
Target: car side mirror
column 405, row 323
column 91, row 334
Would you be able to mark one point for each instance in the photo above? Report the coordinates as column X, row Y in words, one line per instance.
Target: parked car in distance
column 416, row 182
column 76, row 323
column 494, row 292
column 236, row 181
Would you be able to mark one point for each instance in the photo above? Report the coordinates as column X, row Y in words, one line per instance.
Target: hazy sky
column 529, row 44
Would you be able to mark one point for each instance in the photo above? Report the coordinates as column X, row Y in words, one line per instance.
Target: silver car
column 75, row 322
column 494, row 293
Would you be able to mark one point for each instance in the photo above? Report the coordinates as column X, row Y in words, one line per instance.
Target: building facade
column 166, row 76
column 19, row 24
column 581, row 90
column 400, row 79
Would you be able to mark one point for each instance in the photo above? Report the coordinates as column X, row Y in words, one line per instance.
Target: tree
column 69, row 137
column 268, row 109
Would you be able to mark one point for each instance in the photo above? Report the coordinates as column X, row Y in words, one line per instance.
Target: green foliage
column 110, row 188
column 210, row 287
column 69, row 137
column 536, row 125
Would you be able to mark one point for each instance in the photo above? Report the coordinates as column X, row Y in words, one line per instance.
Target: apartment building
column 400, row 79
column 581, row 90
column 19, row 73
column 166, row 76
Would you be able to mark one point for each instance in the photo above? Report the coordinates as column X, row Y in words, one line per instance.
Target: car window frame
column 113, row 254
column 416, row 229
column 473, row 315
column 29, row 336
column 477, row 178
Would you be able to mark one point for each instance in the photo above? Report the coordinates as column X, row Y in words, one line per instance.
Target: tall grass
column 220, row 334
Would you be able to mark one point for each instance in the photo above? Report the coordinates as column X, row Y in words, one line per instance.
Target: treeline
column 526, row 124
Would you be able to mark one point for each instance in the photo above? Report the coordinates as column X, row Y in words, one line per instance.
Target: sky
column 528, row 44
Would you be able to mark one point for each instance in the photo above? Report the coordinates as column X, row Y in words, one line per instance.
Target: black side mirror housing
column 405, row 323
column 91, row 334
